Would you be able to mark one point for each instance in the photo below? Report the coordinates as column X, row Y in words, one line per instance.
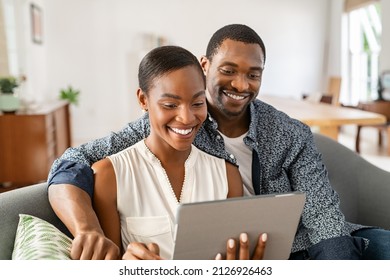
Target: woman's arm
column 105, row 200
column 91, row 239
column 235, row 184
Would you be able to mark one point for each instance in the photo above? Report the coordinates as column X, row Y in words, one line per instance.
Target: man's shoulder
column 206, row 155
column 140, row 123
column 202, row 159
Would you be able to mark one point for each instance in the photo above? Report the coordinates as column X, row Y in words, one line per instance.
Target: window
column 361, row 47
column 9, row 48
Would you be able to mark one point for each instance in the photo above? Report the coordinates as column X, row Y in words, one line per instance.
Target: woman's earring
column 144, row 110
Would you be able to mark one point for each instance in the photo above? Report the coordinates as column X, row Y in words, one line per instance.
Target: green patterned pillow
column 37, row 239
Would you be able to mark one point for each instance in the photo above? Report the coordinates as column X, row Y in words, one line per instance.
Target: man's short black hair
column 235, row 32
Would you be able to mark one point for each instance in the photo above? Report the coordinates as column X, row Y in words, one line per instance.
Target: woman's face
column 177, row 108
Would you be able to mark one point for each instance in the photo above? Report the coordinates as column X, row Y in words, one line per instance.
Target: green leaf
column 70, row 94
column 8, row 84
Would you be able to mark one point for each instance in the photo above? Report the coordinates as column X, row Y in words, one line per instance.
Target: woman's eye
column 198, row 104
column 170, row 105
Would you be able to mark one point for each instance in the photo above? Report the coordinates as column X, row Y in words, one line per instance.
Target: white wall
column 32, row 58
column 384, row 58
column 95, row 46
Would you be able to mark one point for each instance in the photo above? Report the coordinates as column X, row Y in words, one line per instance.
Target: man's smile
column 234, row 95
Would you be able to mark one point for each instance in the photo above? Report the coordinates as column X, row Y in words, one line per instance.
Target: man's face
column 233, row 77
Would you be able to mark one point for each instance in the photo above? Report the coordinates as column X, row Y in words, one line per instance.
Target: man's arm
column 74, row 208
column 74, row 166
column 71, row 188
column 322, row 214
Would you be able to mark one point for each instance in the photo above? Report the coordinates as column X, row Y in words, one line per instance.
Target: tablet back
column 203, row 228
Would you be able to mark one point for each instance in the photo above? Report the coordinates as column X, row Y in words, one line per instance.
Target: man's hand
column 243, row 247
column 94, row 246
column 141, row 251
column 74, row 208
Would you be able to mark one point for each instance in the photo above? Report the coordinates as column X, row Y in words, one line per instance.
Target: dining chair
column 380, row 107
column 331, row 95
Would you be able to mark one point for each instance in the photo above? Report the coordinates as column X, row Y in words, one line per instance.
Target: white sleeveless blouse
column 145, row 199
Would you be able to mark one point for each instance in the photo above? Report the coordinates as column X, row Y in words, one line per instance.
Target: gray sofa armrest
column 32, row 200
column 364, row 189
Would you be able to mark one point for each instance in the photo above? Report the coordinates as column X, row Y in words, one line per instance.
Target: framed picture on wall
column 36, row 24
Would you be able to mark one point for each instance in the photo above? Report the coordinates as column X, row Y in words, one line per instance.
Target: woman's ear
column 142, row 100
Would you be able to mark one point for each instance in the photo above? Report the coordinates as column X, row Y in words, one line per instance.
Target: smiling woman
column 137, row 191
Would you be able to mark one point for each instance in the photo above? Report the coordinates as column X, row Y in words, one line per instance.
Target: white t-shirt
column 243, row 155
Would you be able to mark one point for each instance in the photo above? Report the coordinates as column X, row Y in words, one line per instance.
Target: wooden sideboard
column 30, row 142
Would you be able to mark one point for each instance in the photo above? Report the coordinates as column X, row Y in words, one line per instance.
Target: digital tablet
column 203, row 228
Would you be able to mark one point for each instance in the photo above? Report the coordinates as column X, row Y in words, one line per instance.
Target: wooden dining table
column 328, row 118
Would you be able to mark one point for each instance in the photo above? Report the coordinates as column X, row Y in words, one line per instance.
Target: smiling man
column 274, row 153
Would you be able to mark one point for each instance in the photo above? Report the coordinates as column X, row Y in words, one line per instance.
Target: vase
column 9, row 103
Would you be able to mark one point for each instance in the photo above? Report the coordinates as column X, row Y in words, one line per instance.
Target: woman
column 138, row 190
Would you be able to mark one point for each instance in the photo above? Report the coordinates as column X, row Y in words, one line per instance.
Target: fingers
column 153, row 247
column 244, row 247
column 258, row 254
column 112, row 253
column 77, row 249
column 231, row 249
column 140, row 251
column 93, row 246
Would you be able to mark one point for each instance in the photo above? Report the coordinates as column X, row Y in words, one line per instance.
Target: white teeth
column 182, row 131
column 236, row 97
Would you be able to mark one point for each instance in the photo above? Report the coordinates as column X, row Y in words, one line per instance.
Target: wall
column 32, row 57
column 96, row 45
column 384, row 58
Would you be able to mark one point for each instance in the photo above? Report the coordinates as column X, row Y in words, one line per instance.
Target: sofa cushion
column 37, row 239
column 32, row 200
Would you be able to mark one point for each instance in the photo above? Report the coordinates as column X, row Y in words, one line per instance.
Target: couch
column 364, row 191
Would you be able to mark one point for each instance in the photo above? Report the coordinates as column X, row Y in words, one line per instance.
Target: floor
column 369, row 148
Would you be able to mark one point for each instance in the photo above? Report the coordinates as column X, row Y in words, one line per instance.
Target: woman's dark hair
column 161, row 61
column 235, row 32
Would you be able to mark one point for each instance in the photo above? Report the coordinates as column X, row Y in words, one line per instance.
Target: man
column 274, row 153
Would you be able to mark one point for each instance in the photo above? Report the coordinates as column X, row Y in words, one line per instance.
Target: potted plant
column 70, row 94
column 9, row 101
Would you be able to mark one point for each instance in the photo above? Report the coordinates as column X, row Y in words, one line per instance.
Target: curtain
column 351, row 5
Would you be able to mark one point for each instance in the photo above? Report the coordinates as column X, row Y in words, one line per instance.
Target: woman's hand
column 243, row 247
column 141, row 251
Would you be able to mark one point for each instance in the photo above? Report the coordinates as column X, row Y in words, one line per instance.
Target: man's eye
column 254, row 76
column 226, row 71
